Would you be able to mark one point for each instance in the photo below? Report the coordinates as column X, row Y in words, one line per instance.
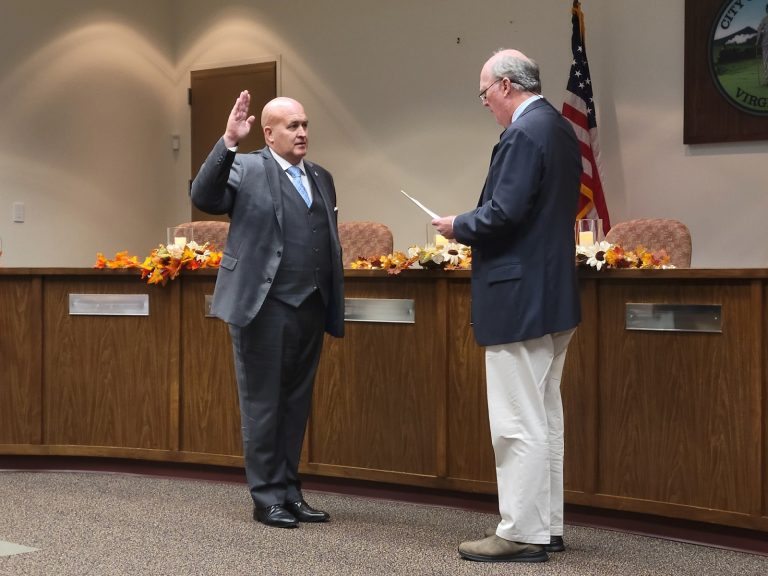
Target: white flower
column 175, row 251
column 595, row 253
column 596, row 261
column 202, row 255
column 437, row 258
column 452, row 254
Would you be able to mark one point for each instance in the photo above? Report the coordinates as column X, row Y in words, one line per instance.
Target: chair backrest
column 655, row 234
column 364, row 239
column 212, row 231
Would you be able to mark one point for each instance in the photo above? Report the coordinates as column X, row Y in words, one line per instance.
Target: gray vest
column 306, row 262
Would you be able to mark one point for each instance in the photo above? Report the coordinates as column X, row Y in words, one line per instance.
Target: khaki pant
column 526, row 415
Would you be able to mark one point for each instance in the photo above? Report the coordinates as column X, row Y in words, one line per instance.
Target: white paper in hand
column 420, row 205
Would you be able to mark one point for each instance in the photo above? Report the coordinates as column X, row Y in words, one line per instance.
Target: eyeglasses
column 483, row 96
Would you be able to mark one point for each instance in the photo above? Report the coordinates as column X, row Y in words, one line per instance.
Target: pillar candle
column 586, row 238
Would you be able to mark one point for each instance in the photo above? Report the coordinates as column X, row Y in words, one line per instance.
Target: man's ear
column 268, row 134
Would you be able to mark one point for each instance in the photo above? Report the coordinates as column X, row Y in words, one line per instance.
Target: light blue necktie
column 295, row 173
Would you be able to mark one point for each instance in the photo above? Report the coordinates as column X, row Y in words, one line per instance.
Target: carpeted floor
column 114, row 524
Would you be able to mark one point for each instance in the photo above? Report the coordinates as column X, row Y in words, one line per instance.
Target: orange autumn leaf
column 615, row 256
column 164, row 262
column 156, row 277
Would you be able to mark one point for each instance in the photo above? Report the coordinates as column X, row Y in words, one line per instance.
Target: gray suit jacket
column 248, row 188
column 524, row 281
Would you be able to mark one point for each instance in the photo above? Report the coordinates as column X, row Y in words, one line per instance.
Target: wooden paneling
column 20, row 361
column 470, row 454
column 764, row 408
column 666, row 423
column 579, row 392
column 676, row 420
column 210, row 412
column 375, row 397
column 107, row 379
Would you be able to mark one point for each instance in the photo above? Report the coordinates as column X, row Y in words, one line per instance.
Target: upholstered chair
column 655, row 234
column 364, row 239
column 212, row 231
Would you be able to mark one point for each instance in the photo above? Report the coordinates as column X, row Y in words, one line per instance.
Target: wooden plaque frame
column 708, row 116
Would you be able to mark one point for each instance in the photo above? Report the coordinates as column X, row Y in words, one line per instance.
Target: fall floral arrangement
column 604, row 254
column 165, row 262
column 449, row 256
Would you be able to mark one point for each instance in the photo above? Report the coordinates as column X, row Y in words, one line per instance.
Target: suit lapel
column 276, row 179
column 319, row 188
column 530, row 108
column 274, row 182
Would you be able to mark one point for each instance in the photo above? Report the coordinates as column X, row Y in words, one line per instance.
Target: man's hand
column 239, row 123
column 444, row 226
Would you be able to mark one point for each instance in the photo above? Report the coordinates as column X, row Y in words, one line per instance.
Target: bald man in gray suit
column 279, row 287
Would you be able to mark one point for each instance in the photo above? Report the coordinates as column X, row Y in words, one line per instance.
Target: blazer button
column 279, row 253
column 269, row 280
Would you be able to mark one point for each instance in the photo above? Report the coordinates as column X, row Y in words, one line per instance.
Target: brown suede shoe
column 556, row 543
column 495, row 549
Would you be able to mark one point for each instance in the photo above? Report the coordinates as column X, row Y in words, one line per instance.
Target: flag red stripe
column 578, row 108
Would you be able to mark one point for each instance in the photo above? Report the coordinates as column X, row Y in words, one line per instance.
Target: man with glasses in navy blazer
column 279, row 287
column 525, row 304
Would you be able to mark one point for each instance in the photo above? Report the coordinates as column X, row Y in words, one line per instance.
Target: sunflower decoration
column 604, row 254
column 457, row 257
column 593, row 256
column 448, row 256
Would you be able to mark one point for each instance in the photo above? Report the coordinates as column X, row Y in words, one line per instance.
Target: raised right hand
column 239, row 122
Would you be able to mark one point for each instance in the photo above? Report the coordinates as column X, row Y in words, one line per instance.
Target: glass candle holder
column 434, row 238
column 179, row 235
column 588, row 231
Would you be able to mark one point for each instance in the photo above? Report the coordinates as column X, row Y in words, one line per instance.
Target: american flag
column 579, row 109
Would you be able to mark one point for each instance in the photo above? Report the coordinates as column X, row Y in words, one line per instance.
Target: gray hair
column 522, row 72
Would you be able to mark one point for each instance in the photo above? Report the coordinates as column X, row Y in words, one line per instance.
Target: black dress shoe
column 305, row 513
column 556, row 544
column 275, row 516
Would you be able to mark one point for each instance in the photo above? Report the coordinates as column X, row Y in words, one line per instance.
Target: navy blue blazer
column 248, row 187
column 524, row 282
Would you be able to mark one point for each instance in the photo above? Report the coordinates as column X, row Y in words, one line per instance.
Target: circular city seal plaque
column 738, row 54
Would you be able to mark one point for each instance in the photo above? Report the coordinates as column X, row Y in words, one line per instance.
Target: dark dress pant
column 276, row 357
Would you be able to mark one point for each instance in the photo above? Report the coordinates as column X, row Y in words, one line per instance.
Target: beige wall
column 90, row 96
column 86, row 109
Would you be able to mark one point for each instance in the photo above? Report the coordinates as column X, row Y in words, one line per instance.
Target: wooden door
column 212, row 94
